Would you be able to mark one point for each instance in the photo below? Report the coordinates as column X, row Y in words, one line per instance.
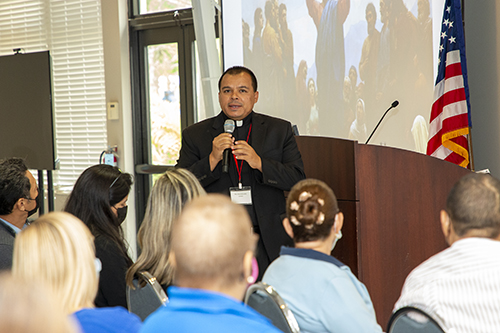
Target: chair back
column 412, row 320
column 265, row 300
column 145, row 300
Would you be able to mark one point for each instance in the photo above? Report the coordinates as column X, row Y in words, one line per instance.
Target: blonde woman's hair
column 58, row 250
column 20, row 299
column 170, row 193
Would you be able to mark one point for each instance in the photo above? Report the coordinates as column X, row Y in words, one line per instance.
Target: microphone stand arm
column 373, row 132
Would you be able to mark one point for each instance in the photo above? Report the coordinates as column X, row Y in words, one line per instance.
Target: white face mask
column 98, row 266
column 337, row 237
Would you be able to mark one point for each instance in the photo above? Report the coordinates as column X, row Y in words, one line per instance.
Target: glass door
column 163, row 76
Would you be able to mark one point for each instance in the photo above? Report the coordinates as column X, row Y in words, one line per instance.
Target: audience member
column 212, row 251
column 170, row 193
column 320, row 291
column 46, row 315
column 58, row 251
column 99, row 199
column 18, row 201
column 460, row 286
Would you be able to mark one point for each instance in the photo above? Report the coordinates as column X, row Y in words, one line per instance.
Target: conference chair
column 265, row 300
column 412, row 320
column 145, row 300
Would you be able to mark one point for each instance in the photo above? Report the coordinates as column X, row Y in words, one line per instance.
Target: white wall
column 482, row 38
column 117, row 81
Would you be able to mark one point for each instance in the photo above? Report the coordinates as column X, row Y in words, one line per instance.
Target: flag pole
column 471, row 155
column 469, row 137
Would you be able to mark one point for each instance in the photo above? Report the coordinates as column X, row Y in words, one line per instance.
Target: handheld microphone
column 393, row 105
column 229, row 126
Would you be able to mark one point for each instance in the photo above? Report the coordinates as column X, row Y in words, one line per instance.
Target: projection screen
column 333, row 67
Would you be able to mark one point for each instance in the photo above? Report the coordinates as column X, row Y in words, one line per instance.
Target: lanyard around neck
column 240, row 167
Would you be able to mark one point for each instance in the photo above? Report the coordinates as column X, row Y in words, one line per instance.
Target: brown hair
column 474, row 203
column 311, row 208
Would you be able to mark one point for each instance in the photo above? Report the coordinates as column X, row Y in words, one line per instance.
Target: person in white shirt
column 460, row 286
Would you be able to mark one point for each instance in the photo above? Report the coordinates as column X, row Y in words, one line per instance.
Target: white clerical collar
column 239, row 123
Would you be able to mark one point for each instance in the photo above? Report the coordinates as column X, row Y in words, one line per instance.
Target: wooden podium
column 391, row 199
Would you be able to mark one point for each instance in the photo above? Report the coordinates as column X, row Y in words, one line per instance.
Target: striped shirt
column 459, row 287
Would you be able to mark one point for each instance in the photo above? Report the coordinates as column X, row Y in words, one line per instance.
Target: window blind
column 72, row 31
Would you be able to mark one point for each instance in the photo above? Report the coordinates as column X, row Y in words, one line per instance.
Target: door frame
column 158, row 28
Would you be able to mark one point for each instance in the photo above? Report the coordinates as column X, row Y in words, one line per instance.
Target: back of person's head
column 171, row 192
column 29, row 307
column 97, row 189
column 58, row 250
column 311, row 208
column 474, row 204
column 14, row 184
column 210, row 241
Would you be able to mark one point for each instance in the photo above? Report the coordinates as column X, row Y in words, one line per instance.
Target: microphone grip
column 225, row 160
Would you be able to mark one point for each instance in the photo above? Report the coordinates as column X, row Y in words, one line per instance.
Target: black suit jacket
column 7, row 237
column 282, row 167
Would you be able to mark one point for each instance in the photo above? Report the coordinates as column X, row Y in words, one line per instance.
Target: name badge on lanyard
column 241, row 195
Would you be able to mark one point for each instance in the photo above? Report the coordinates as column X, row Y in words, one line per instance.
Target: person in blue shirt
column 57, row 251
column 321, row 292
column 212, row 251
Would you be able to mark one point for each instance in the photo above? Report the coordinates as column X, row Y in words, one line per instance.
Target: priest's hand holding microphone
column 225, row 142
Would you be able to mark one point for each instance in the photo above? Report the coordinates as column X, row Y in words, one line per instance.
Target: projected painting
column 333, row 67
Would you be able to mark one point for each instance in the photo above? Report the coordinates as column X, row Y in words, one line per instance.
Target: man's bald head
column 210, row 240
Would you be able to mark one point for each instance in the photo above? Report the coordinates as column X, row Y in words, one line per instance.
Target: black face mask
column 37, row 201
column 121, row 214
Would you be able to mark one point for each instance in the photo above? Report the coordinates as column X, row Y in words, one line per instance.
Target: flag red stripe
column 454, row 158
column 453, row 70
column 449, row 124
column 446, row 99
column 455, row 122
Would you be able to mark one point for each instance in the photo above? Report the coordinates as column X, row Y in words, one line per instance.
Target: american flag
column 450, row 114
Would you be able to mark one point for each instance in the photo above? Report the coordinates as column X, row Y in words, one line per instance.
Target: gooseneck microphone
column 229, row 126
column 393, row 105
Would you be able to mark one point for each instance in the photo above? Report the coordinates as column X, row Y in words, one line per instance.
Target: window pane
column 154, row 6
column 164, row 103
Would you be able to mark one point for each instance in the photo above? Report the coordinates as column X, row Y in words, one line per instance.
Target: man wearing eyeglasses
column 18, row 201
